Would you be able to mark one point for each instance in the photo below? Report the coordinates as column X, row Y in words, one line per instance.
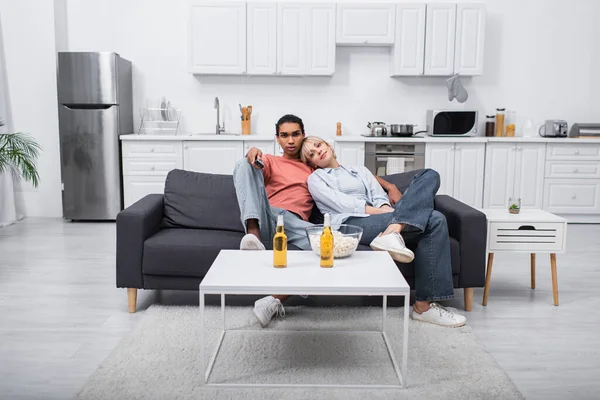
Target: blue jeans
column 254, row 204
column 424, row 226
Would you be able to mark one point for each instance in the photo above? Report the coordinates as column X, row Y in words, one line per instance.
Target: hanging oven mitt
column 456, row 90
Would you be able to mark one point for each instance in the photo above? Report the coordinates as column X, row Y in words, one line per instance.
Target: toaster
column 554, row 128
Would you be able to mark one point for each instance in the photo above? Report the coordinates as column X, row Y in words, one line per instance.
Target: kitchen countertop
column 359, row 139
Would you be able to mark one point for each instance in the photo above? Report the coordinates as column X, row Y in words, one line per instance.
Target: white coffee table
column 531, row 231
column 365, row 273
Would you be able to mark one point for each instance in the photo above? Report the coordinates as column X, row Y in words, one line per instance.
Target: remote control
column 258, row 162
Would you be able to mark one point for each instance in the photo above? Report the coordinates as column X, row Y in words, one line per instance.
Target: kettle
column 377, row 128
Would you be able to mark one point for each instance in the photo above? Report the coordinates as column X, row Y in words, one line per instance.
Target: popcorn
column 343, row 246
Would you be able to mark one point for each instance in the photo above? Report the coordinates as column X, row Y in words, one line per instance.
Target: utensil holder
column 246, row 127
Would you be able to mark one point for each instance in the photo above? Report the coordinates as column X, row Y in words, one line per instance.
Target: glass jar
column 514, row 205
column 500, row 122
column 490, row 125
column 511, row 123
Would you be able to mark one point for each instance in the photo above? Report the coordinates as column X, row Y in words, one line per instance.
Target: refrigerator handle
column 88, row 106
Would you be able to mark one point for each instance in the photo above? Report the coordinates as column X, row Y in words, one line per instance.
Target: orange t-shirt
column 286, row 184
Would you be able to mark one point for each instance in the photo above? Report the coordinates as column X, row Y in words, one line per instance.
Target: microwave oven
column 452, row 122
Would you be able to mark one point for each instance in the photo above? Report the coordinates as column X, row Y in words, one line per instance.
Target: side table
column 531, row 231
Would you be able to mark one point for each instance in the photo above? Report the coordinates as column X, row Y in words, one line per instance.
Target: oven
column 386, row 159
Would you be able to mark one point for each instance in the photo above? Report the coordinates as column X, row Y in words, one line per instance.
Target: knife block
column 246, row 127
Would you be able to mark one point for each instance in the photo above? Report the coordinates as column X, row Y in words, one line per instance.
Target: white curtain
column 8, row 208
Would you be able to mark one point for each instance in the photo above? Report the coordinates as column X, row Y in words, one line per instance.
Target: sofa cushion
column 202, row 201
column 188, row 252
column 408, row 270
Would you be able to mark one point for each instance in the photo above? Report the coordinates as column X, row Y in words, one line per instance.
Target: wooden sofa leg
column 469, row 298
column 132, row 299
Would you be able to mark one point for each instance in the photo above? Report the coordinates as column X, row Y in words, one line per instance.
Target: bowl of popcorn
column 345, row 239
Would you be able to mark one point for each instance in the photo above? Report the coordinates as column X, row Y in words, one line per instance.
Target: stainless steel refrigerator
column 94, row 108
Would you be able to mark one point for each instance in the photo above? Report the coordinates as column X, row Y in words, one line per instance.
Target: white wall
column 28, row 31
column 538, row 62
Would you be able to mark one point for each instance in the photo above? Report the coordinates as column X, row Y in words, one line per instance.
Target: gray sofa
column 169, row 241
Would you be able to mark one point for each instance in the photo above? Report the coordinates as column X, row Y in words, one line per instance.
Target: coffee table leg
column 554, row 278
column 223, row 310
column 384, row 314
column 202, row 363
column 405, row 343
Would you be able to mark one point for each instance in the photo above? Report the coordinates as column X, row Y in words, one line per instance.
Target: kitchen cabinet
column 440, row 34
column 146, row 165
column 350, row 154
column 365, row 23
column 514, row 170
column 320, row 50
column 409, row 46
column 266, row 146
column 262, row 38
column 306, row 41
column 217, row 37
column 470, row 37
column 213, row 157
column 572, row 179
column 461, row 169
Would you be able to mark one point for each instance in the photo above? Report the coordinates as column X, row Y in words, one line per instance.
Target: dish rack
column 159, row 121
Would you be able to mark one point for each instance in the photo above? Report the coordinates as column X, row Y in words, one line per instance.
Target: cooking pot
column 377, row 128
column 401, row 129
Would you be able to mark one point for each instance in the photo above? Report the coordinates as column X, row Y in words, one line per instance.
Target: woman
column 353, row 196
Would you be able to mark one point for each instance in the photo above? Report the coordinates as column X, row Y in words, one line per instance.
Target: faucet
column 217, row 106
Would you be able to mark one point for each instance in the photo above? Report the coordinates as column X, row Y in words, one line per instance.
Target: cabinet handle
column 152, row 168
column 185, row 146
column 247, row 146
column 574, row 196
column 576, row 151
column 362, row 147
column 457, row 148
column 452, row 148
column 576, row 170
column 366, row 41
column 152, row 150
column 519, row 148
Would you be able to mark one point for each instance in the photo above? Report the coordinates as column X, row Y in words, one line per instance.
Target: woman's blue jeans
column 424, row 226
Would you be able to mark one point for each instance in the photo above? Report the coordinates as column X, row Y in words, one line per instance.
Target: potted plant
column 19, row 153
column 514, row 205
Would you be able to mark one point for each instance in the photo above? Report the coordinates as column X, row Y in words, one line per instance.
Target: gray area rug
column 158, row 359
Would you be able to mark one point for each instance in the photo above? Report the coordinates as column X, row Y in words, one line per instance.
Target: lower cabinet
column 350, row 154
column 461, row 169
column 213, row 157
column 136, row 187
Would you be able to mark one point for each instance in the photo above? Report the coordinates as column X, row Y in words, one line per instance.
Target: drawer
column 150, row 166
column 524, row 236
column 157, row 148
column 574, row 196
column 573, row 151
column 572, row 169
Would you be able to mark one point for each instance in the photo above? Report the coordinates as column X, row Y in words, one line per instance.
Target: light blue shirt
column 344, row 192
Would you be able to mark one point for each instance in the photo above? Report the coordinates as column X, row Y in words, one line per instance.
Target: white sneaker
column 266, row 308
column 251, row 242
column 440, row 316
column 393, row 243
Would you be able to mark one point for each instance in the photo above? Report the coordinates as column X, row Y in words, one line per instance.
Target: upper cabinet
column 365, row 23
column 299, row 38
column 217, row 37
column 438, row 39
column 262, row 38
column 409, row 45
column 470, row 35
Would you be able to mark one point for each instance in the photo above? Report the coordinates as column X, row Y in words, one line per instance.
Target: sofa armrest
column 469, row 227
column 135, row 224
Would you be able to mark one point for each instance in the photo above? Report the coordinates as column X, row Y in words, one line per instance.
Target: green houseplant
column 19, row 153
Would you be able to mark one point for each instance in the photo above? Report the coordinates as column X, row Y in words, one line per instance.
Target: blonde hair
column 307, row 142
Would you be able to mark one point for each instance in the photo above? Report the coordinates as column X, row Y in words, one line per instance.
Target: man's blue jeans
column 254, row 204
column 424, row 226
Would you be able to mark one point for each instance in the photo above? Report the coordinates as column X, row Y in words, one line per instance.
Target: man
column 267, row 186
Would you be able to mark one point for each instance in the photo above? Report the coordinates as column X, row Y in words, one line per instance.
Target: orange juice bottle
column 280, row 245
column 327, row 244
